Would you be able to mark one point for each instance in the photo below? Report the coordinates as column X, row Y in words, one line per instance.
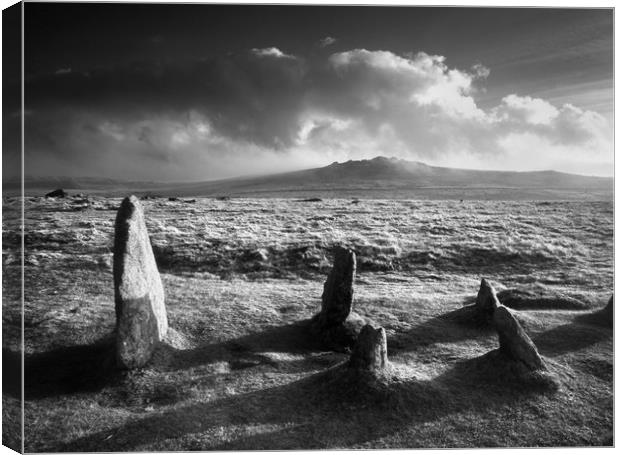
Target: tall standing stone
column 337, row 295
column 514, row 342
column 141, row 319
column 370, row 351
column 336, row 326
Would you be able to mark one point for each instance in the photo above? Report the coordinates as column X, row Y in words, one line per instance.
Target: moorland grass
column 240, row 370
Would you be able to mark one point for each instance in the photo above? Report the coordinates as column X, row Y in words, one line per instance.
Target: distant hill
column 380, row 177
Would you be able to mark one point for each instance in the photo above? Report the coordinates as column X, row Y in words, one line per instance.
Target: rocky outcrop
column 57, row 193
column 138, row 291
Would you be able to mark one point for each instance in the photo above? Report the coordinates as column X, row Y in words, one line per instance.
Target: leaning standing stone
column 138, row 291
column 370, row 352
column 514, row 342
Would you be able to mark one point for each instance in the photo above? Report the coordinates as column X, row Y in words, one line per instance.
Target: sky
column 200, row 92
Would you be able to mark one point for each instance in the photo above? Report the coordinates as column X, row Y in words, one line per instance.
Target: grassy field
column 239, row 369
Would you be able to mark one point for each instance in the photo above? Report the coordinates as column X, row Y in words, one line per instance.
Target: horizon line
column 249, row 176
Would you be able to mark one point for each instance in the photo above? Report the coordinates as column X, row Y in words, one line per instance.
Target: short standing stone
column 486, row 300
column 138, row 291
column 370, row 351
column 513, row 341
column 337, row 295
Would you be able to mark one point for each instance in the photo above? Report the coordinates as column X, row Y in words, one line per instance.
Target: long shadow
column 570, row 337
column 296, row 338
column 320, row 411
column 68, row 370
column 90, row 368
column 600, row 317
column 270, row 405
column 11, row 373
column 292, row 338
column 246, row 351
column 456, row 325
column 535, row 299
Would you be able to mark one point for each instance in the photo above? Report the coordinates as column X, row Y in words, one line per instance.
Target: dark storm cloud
column 252, row 96
column 11, row 91
column 186, row 106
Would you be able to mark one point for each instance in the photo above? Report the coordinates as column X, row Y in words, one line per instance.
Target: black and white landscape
column 303, row 227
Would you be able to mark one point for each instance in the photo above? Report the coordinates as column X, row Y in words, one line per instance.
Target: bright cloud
column 526, row 109
column 271, row 52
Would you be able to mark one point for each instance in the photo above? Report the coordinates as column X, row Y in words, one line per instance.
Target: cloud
column 385, row 79
column 271, row 52
column 327, row 41
column 525, row 109
column 481, row 71
column 264, row 110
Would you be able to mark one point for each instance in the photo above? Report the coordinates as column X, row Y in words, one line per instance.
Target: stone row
column 141, row 320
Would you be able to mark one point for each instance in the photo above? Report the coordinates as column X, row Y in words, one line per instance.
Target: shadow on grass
column 537, row 298
column 324, row 410
column 602, row 317
column 70, row 370
column 11, row 373
column 90, row 368
column 570, row 337
column 457, row 325
column 245, row 351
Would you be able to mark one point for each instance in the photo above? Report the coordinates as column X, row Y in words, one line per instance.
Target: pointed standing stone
column 370, row 352
column 336, row 325
column 138, row 291
column 486, row 300
column 513, row 341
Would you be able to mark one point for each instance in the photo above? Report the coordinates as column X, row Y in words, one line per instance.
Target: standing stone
column 138, row 291
column 137, row 333
column 513, row 341
column 370, row 351
column 337, row 295
column 486, row 300
column 336, row 326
